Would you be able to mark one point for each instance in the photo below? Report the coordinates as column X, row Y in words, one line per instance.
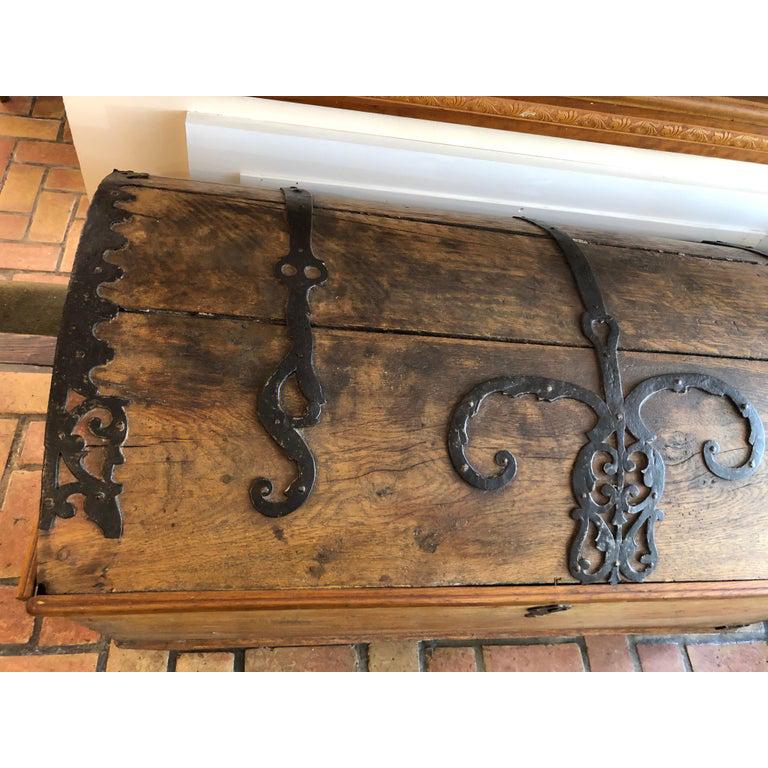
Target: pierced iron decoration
column 621, row 528
column 300, row 271
column 75, row 400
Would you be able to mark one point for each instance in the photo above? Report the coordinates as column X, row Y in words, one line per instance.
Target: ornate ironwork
column 75, row 401
column 621, row 528
column 300, row 271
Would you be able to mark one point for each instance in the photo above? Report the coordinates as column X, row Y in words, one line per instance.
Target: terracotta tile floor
column 42, row 201
column 42, row 207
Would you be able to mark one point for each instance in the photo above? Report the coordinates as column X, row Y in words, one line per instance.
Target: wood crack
column 351, row 328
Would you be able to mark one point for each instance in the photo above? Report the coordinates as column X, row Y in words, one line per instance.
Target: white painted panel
column 558, row 180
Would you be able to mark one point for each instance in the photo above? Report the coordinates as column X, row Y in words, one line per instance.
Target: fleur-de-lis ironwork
column 300, row 271
column 621, row 528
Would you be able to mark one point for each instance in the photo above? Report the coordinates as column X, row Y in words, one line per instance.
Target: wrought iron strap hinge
column 616, row 520
column 300, row 271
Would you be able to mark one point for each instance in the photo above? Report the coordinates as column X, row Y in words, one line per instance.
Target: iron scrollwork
column 75, row 401
column 620, row 527
column 300, row 271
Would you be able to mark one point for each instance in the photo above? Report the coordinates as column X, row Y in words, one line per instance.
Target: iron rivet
column 301, row 489
column 49, row 503
column 100, row 496
column 465, row 467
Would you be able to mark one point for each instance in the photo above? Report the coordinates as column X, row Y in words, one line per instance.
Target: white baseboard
column 560, row 181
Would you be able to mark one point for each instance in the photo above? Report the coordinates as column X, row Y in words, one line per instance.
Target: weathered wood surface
column 289, row 617
column 388, row 508
column 409, row 275
column 25, row 349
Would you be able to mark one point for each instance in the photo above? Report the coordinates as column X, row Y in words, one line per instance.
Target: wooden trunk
column 176, row 319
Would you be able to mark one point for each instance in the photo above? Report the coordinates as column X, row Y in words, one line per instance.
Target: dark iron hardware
column 621, row 528
column 300, row 271
column 75, row 400
column 544, row 610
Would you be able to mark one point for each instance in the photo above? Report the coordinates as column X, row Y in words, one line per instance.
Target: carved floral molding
column 717, row 126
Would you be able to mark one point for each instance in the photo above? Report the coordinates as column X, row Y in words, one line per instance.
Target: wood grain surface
column 280, row 617
column 388, row 507
column 418, row 308
column 420, row 277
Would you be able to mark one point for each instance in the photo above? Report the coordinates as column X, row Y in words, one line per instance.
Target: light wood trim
column 374, row 597
column 249, row 619
column 28, row 579
column 717, row 126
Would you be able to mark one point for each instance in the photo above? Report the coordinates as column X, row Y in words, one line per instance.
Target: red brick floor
column 42, row 201
column 42, row 207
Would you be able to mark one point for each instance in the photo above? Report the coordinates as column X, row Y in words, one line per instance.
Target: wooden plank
column 388, row 509
column 406, row 275
column 330, row 616
column 512, row 225
column 122, row 603
column 25, row 349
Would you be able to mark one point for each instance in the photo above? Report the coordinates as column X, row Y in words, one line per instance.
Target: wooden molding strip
column 376, row 597
column 26, row 349
column 734, row 128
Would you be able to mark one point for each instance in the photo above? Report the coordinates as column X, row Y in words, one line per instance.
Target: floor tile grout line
column 703, row 639
column 60, row 132
column 27, row 649
column 686, row 657
column 633, row 654
column 421, row 655
column 585, row 660
column 33, row 210
column 479, row 658
column 101, row 662
column 7, row 170
column 361, row 657
column 13, row 454
column 519, row 640
column 67, row 230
